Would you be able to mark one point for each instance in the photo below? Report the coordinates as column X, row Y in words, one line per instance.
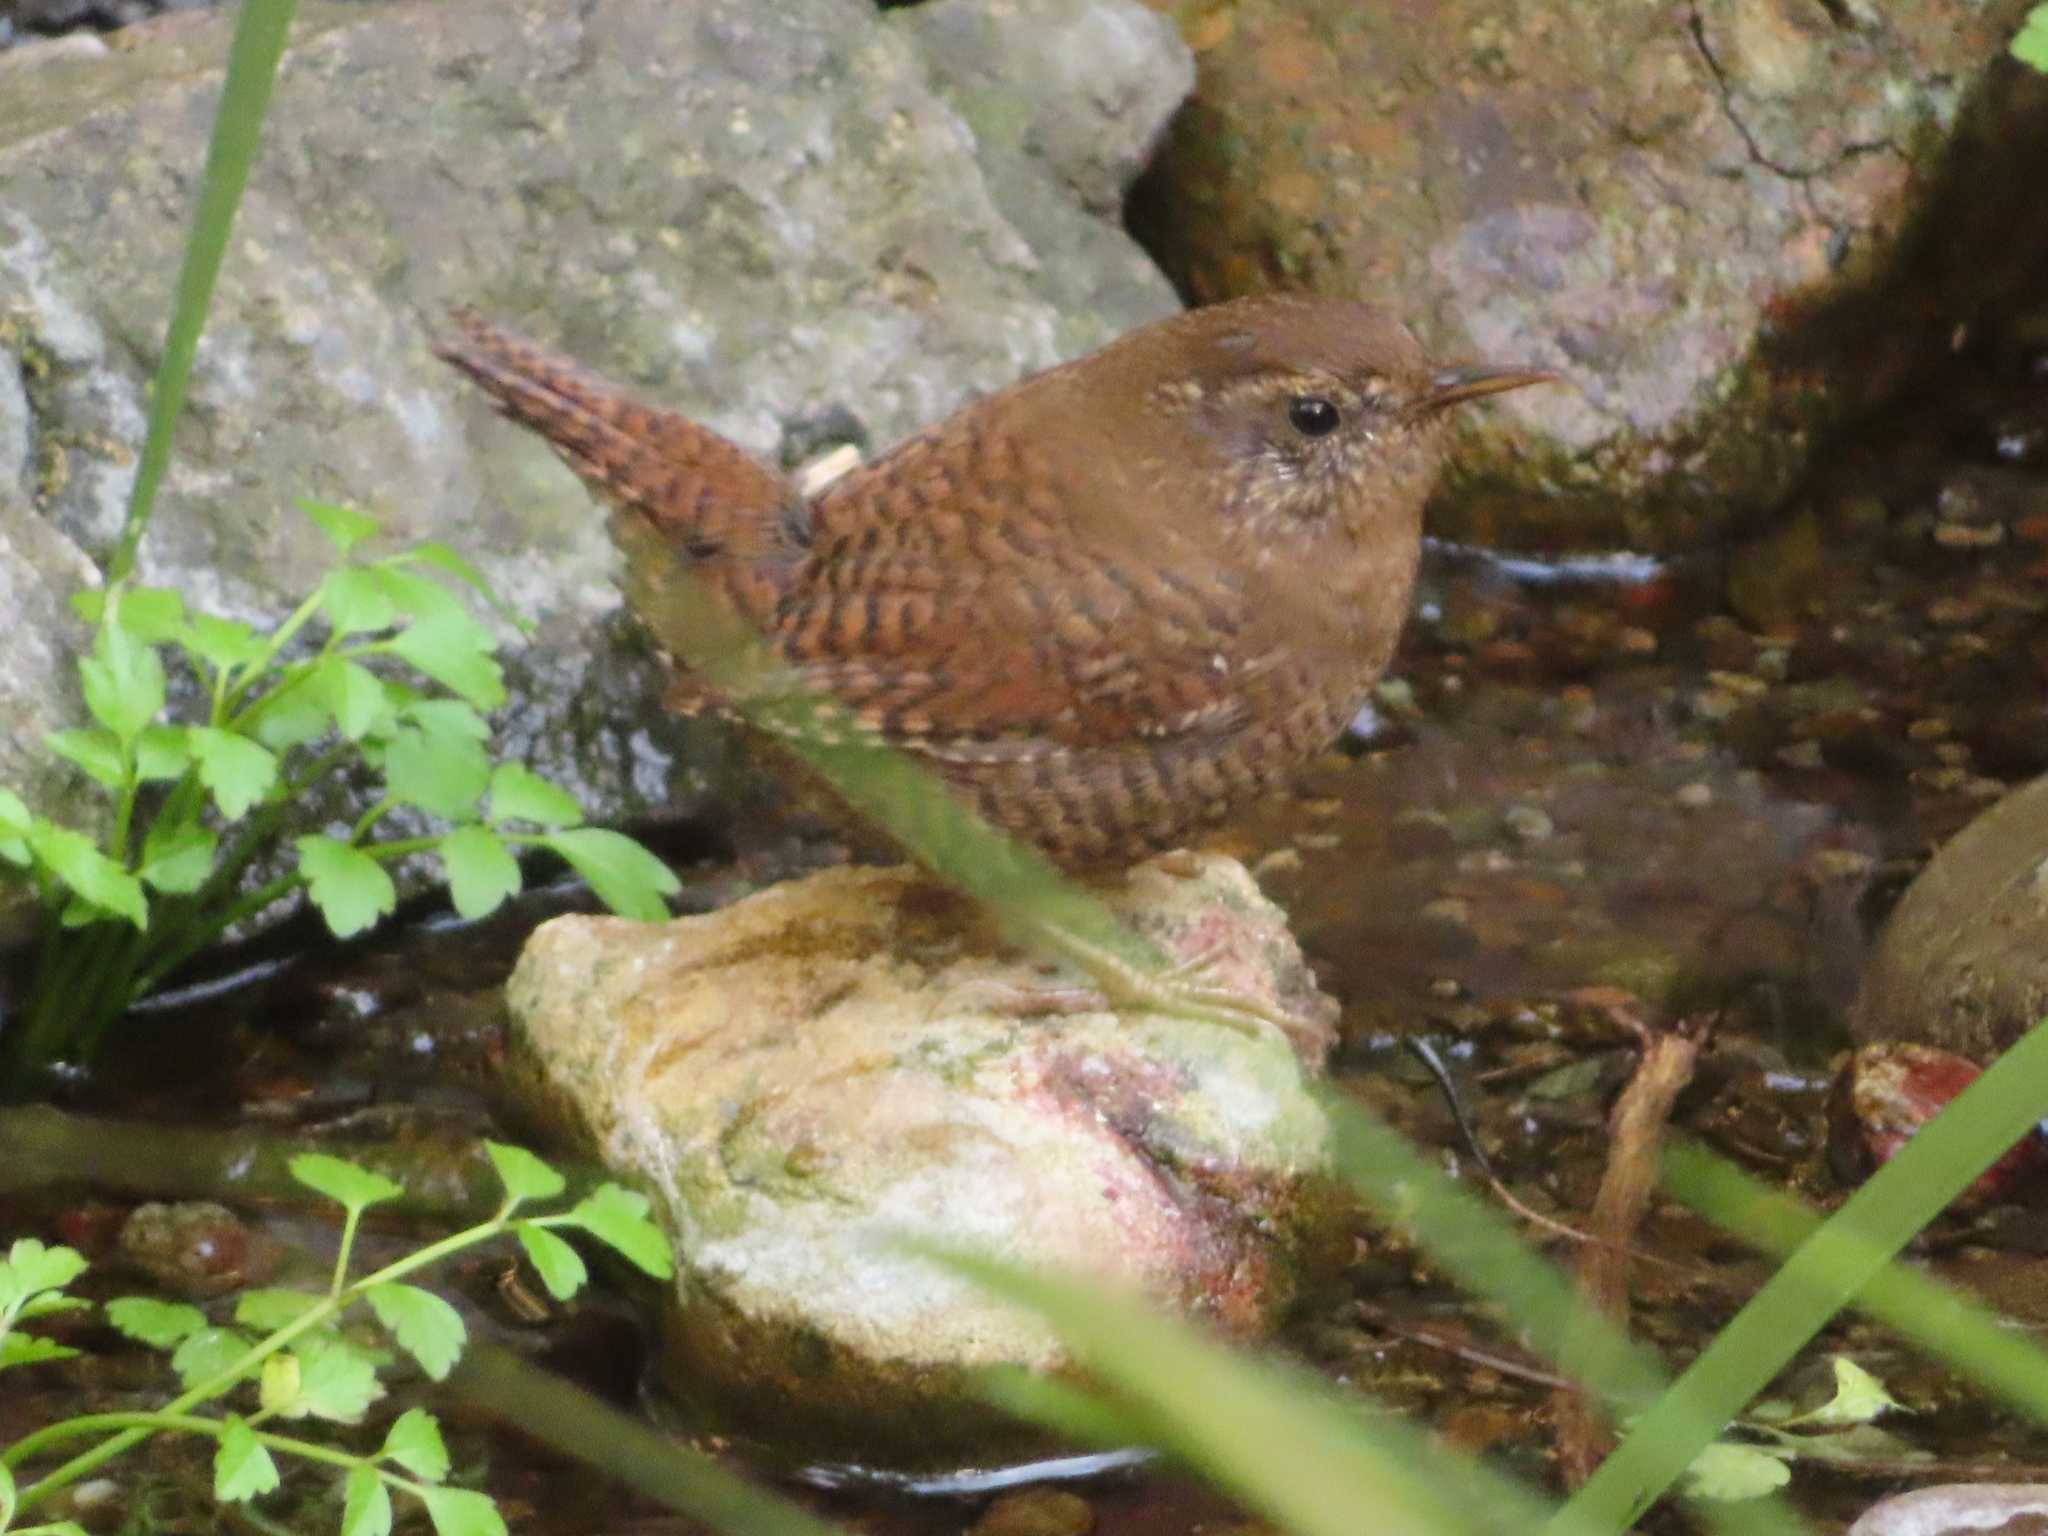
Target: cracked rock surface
column 802, row 1079
column 1732, row 224
column 796, row 222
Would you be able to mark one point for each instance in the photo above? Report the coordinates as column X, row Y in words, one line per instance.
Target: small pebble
column 1448, row 988
column 1636, row 641
column 1969, row 535
column 197, row 1248
column 1415, row 833
column 1741, row 684
column 1036, row 1512
column 1802, row 754
column 1529, row 824
column 1695, row 796
column 1447, row 912
column 1928, row 728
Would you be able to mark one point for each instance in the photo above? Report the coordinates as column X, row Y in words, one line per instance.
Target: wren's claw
column 1179, row 992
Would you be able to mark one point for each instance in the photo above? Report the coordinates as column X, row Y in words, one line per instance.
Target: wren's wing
column 964, row 602
column 737, row 523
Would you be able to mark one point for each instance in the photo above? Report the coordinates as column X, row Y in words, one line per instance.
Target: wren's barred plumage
column 1105, row 605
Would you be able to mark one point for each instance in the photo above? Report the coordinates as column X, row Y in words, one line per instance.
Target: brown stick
column 1638, row 1121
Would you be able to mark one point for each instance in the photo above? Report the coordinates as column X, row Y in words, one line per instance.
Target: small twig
column 1471, row 1354
column 1426, row 1053
column 1637, row 1126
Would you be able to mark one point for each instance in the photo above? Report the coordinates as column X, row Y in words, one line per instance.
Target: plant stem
column 314, row 1316
column 199, row 1424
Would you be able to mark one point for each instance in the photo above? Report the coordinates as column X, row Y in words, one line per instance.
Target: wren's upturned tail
column 1105, row 605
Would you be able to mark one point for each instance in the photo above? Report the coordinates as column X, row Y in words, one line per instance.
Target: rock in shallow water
column 805, row 1077
column 1963, row 960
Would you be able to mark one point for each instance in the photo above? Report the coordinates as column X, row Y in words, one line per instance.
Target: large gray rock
column 1733, row 224
column 1963, row 959
column 805, row 1078
column 773, row 217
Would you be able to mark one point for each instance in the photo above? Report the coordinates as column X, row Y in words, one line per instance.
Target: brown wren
column 1104, row 606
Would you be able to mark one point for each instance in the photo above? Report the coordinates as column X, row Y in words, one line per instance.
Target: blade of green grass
column 625, row 1447
column 1948, row 1325
column 1279, row 1437
column 260, row 33
column 1477, row 1246
column 1826, row 1273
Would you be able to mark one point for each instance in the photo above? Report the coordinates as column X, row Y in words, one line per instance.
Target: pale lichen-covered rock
column 777, row 218
column 806, row 1077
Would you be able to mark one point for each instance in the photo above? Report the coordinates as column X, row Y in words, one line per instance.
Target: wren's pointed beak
column 1454, row 386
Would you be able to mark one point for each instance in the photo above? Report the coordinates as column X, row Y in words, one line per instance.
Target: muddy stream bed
column 1595, row 791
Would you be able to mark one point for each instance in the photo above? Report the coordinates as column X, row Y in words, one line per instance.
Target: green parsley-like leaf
column 162, row 753
column 242, row 1468
column 425, row 1326
column 335, row 1382
column 442, row 558
column 238, row 771
column 442, row 775
column 177, row 856
column 462, row 1512
column 481, row 870
column 29, row 1349
column 159, row 1324
column 365, row 1504
column 93, row 748
column 33, row 1266
column 618, row 1217
column 123, row 682
column 627, row 878
column 349, row 887
column 343, row 1182
column 287, row 718
column 222, row 643
column 72, row 858
column 560, row 1267
column 455, row 651
column 271, row 1308
column 1731, row 1473
column 15, row 820
column 151, row 614
column 520, row 794
column 524, row 1176
column 352, row 694
column 202, row 1356
column 278, row 1388
column 446, row 718
column 354, row 601
column 1859, row 1398
column 2030, row 46
column 414, row 1442
column 344, row 526
column 411, row 593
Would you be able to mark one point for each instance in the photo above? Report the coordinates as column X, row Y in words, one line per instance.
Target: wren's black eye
column 1312, row 415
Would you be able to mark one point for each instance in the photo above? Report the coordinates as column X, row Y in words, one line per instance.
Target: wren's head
column 1314, row 409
